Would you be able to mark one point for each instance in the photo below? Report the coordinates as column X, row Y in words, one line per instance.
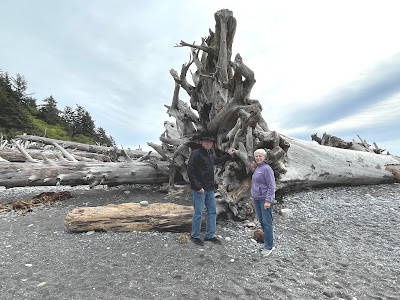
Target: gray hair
column 261, row 151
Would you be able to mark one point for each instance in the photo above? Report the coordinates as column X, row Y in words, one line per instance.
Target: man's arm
column 191, row 171
column 224, row 158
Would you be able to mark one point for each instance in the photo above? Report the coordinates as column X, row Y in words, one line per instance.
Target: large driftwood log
column 312, row 165
column 131, row 217
column 82, row 173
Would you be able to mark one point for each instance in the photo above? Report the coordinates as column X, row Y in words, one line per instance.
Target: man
column 201, row 176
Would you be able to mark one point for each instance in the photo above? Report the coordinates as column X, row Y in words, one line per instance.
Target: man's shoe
column 266, row 252
column 213, row 240
column 197, row 241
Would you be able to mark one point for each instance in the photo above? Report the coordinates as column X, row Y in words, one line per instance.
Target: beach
column 331, row 243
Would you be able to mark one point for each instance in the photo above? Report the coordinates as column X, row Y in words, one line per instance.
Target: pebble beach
column 331, row 243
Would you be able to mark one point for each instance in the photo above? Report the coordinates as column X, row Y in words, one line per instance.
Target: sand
column 333, row 243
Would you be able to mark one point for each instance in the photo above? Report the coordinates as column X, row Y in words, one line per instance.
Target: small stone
column 127, row 192
column 41, row 284
column 228, row 239
column 28, row 265
column 165, row 245
column 232, row 260
column 285, row 212
column 30, row 225
column 144, row 203
column 90, row 232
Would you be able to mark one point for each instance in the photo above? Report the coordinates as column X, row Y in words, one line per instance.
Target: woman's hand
column 253, row 165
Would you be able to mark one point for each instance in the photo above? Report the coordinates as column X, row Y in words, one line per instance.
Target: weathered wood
column 312, row 165
column 111, row 151
column 14, row 155
column 81, row 173
column 131, row 217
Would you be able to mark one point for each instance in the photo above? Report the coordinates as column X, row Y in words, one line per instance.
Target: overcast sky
column 321, row 66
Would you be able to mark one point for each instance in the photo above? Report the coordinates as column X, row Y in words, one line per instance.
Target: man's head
column 207, row 142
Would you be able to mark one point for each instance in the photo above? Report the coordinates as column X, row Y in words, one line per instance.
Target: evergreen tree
column 19, row 85
column 86, row 124
column 49, row 111
column 103, row 139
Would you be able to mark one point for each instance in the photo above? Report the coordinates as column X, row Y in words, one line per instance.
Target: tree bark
column 131, row 217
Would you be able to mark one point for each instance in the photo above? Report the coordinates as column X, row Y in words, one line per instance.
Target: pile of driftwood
column 334, row 141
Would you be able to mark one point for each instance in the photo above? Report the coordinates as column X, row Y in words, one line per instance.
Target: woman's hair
column 261, row 151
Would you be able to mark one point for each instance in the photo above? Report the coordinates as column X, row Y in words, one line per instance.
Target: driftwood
column 131, row 217
column 14, row 155
column 220, row 95
column 112, row 152
column 82, row 173
column 334, row 141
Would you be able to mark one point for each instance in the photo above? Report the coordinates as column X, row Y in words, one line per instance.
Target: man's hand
column 201, row 191
column 253, row 165
column 231, row 151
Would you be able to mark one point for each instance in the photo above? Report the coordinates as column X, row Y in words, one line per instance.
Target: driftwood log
column 131, row 217
column 82, row 173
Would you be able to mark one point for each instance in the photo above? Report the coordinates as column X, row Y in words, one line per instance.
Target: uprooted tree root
column 22, row 207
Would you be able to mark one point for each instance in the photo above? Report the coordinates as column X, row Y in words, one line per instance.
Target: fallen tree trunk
column 82, row 173
column 131, row 217
column 312, row 165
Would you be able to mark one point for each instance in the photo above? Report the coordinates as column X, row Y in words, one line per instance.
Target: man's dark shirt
column 201, row 168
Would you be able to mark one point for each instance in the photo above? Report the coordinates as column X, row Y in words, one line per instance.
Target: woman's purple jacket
column 263, row 183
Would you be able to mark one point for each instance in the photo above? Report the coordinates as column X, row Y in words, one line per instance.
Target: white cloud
column 378, row 114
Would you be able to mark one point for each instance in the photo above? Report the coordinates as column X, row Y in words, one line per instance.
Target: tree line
column 20, row 113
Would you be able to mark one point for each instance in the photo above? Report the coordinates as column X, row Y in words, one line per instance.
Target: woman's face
column 259, row 158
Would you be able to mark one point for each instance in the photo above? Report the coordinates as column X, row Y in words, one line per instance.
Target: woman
column 263, row 193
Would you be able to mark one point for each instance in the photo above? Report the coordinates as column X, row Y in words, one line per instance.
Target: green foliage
column 80, row 138
column 19, row 114
column 13, row 116
column 49, row 111
column 41, row 128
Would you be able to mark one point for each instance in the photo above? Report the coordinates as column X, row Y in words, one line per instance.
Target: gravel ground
column 333, row 243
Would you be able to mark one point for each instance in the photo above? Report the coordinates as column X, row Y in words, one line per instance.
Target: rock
column 228, row 239
column 258, row 235
column 285, row 212
column 144, row 203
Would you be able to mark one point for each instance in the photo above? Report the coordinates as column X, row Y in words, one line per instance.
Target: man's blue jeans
column 265, row 218
column 199, row 200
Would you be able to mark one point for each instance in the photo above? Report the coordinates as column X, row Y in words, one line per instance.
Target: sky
column 321, row 66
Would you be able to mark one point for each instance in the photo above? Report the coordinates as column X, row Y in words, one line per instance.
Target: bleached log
column 311, row 165
column 82, row 173
column 24, row 153
column 131, row 217
column 64, row 152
